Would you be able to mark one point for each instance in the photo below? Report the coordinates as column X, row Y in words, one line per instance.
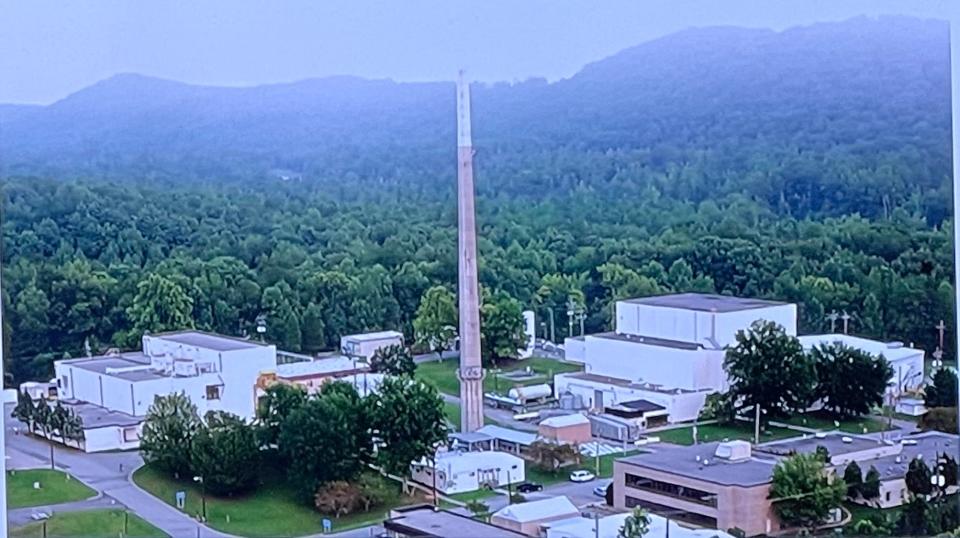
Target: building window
column 684, row 493
column 213, row 392
column 888, row 496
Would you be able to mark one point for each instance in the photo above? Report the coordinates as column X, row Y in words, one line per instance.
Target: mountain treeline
column 810, row 165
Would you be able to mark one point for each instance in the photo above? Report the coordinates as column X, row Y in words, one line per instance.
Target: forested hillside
column 810, row 165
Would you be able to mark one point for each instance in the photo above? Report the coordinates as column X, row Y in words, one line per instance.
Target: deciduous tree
column 408, row 418
column 803, row 492
column 225, row 453
column 393, row 360
column 850, row 381
column 168, row 432
column 501, row 328
column 435, row 324
column 768, row 367
column 943, row 391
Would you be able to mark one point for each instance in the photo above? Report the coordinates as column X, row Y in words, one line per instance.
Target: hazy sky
column 49, row 49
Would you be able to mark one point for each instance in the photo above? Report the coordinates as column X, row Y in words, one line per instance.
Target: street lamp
column 262, row 326
column 203, row 496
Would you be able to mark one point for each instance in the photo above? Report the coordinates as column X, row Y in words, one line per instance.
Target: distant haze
column 51, row 49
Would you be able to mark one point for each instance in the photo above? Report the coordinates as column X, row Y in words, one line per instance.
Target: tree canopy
column 850, row 382
column 803, row 491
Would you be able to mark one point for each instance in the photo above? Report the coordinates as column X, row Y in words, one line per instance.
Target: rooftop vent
column 733, row 451
column 820, row 435
column 894, row 345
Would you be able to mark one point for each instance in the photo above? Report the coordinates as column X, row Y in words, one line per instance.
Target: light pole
column 262, row 326
column 203, row 497
column 553, row 337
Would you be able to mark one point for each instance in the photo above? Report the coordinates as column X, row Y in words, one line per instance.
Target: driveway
column 109, row 473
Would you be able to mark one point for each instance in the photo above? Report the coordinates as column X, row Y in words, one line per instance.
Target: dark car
column 529, row 487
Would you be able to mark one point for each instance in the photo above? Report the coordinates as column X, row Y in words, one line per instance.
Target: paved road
column 107, row 473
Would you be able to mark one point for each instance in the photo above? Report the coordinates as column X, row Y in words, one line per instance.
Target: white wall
column 109, row 438
column 453, row 477
column 240, row 370
column 574, row 349
column 670, row 367
column 696, row 326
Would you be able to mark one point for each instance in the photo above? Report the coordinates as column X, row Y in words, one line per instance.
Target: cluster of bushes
column 327, row 442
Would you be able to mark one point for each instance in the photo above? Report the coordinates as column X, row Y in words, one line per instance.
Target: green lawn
column 859, row 512
column 271, row 510
column 443, row 374
column 452, row 412
column 55, row 487
column 90, row 524
column 715, row 432
column 479, row 494
column 822, row 421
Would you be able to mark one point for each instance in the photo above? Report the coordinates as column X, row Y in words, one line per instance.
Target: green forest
column 734, row 161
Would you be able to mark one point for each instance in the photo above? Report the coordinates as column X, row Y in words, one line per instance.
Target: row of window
column 671, row 490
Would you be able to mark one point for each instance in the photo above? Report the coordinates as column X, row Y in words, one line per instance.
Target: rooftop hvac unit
column 733, row 451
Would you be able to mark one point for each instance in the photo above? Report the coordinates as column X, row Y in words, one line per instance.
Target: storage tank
column 532, row 392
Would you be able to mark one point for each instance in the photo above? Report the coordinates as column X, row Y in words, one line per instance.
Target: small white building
column 217, row 373
column 907, row 362
column 528, row 517
column 461, row 472
column 366, row 344
column 599, row 392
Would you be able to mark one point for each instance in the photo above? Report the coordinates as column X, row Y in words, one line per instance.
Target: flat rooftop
column 379, row 335
column 834, row 443
column 648, row 340
column 929, row 445
column 101, row 365
column 94, row 416
column 626, row 383
column 424, row 521
column 212, row 341
column 687, row 461
column 705, row 302
column 320, row 367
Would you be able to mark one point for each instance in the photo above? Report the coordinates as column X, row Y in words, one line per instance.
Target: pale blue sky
column 49, row 49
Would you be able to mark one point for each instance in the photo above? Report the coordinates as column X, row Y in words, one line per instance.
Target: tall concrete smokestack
column 471, row 369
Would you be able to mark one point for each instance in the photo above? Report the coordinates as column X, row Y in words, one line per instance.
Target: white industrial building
column 669, row 350
column 112, row 393
column 907, row 362
column 461, row 472
column 366, row 344
column 609, row 527
column 666, row 351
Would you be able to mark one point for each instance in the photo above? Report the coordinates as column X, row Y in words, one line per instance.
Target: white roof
column 537, row 510
column 365, row 383
column 317, row 367
column 380, row 335
column 506, row 434
column 582, row 527
column 892, row 351
column 565, row 420
column 458, row 462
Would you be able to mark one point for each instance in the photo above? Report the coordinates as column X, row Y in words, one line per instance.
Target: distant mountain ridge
column 730, row 95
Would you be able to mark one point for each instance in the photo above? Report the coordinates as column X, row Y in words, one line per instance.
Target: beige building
column 567, row 429
column 717, row 485
column 529, row 517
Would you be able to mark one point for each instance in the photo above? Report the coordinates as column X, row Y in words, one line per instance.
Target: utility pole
column 833, row 317
column 756, row 426
column 846, row 322
column 596, row 455
column 553, row 337
column 938, row 354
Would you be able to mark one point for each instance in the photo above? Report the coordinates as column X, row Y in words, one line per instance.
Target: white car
column 581, row 476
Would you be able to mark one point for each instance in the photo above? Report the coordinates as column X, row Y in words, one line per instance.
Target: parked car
column 529, row 487
column 581, row 476
column 601, row 491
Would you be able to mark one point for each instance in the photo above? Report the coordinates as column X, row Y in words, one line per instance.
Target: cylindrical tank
column 532, row 392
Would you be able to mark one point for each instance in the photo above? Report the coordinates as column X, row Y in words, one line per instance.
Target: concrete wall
column 111, row 438
column 574, row 349
column 240, row 370
column 680, row 368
